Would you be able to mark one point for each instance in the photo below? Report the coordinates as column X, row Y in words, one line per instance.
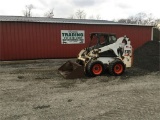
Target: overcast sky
column 106, row 9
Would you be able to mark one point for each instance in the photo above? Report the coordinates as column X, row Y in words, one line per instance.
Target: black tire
column 79, row 62
column 95, row 68
column 116, row 67
column 86, row 72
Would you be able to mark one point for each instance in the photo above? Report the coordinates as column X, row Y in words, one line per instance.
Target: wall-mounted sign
column 72, row 37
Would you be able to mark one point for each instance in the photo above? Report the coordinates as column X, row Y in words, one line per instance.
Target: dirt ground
column 34, row 90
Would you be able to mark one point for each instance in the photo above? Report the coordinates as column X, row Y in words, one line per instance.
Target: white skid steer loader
column 105, row 53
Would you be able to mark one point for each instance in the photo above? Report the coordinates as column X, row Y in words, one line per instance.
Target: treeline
column 139, row 18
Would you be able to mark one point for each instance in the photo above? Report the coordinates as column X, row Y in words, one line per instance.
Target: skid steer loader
column 104, row 53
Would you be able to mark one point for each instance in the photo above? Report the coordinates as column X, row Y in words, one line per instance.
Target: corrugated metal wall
column 22, row 40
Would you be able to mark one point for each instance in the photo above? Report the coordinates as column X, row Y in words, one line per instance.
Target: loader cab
column 98, row 40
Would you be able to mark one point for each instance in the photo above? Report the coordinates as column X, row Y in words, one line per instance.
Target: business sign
column 72, row 37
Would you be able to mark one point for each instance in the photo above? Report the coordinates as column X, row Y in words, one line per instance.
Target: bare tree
column 71, row 17
column 131, row 20
column 157, row 23
column 122, row 20
column 150, row 19
column 91, row 17
column 140, row 18
column 49, row 13
column 80, row 14
column 95, row 18
column 28, row 11
column 98, row 17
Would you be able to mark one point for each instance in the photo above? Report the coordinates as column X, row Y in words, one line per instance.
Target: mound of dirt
column 148, row 56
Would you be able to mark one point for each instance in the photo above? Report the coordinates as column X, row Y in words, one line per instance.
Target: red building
column 39, row 37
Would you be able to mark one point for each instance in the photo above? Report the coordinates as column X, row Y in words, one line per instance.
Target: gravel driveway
column 34, row 90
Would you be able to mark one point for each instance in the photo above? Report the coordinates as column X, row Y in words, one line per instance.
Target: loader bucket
column 71, row 70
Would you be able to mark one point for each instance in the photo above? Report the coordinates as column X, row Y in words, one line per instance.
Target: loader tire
column 95, row 68
column 116, row 67
column 79, row 62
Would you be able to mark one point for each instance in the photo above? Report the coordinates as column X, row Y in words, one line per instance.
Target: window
column 112, row 39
